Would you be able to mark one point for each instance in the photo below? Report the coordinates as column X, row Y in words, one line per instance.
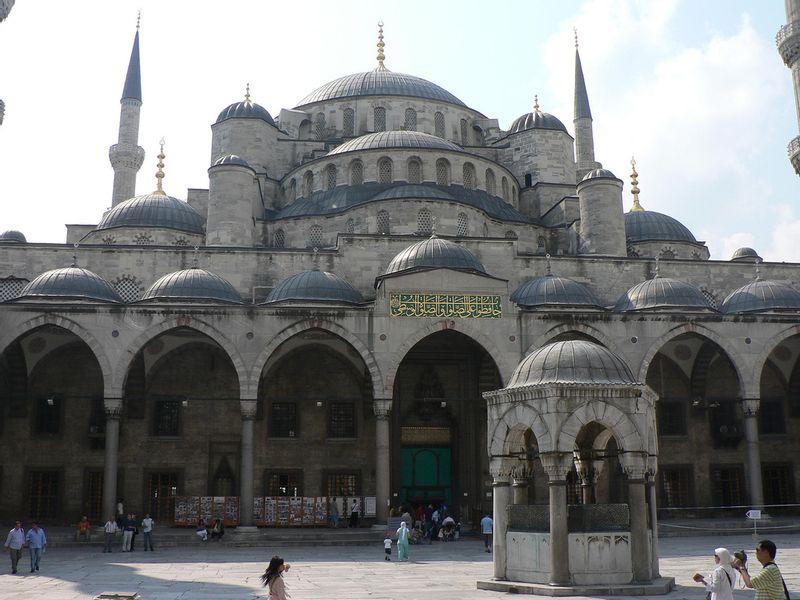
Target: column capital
column 382, row 407
column 248, row 408
column 557, row 465
column 635, row 466
column 112, row 407
column 750, row 406
column 501, row 480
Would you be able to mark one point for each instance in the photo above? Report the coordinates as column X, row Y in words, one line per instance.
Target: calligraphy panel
column 460, row 306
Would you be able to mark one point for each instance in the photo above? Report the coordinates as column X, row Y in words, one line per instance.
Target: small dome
column 231, row 159
column 662, row 292
column 395, row 139
column 647, row 225
column 12, row 237
column 537, row 120
column 553, row 291
column 435, row 253
column 761, row 296
column 746, row 255
column 571, row 362
column 599, row 174
column 154, row 210
column 70, row 282
column 192, row 284
column 245, row 110
column 316, row 286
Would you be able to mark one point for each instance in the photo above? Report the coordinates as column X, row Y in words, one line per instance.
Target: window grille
column 143, row 239
column 129, row 288
column 411, row 120
column 469, row 176
column 511, row 234
column 342, row 420
column 424, row 222
column 343, row 484
column 279, row 239
column 308, row 184
column 283, row 483
column 667, row 253
column 356, row 172
column 319, row 126
column 94, row 495
column 180, row 241
column 109, row 240
column 11, row 288
column 330, row 177
column 505, row 189
column 574, row 495
column 414, row 171
column 438, row 124
column 709, row 296
column 350, row 227
column 727, row 486
column 383, row 222
column 462, row 224
column 777, row 484
column 43, row 494
column 167, row 418
column 380, row 118
column 315, row 236
column 491, row 185
column 442, row 172
column 676, row 486
column 283, row 420
column 464, row 132
column 385, row 170
column 348, row 122
column 161, row 491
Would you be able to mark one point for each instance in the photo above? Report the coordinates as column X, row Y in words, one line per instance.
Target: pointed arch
column 767, row 349
column 524, row 415
column 627, row 435
column 582, row 328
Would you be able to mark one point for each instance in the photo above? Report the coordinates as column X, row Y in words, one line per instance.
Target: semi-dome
column 315, row 286
column 379, row 83
column 192, row 284
column 12, row 236
column 550, row 290
column 72, row 283
column 761, row 296
column 571, row 362
column 231, row 159
column 537, row 120
column 599, row 174
column 435, row 253
column 414, row 140
column 154, row 210
column 245, row 110
column 647, row 225
column 746, row 255
column 662, row 292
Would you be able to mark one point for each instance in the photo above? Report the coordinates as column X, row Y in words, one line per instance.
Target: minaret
column 788, row 41
column 126, row 155
column 584, row 138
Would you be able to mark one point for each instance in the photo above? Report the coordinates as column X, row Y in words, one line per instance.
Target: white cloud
column 785, row 239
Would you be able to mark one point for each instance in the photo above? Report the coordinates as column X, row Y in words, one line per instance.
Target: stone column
column 382, row 410
column 501, row 498
column 750, row 409
column 640, row 547
column 113, row 410
column 557, row 465
column 520, row 486
column 651, row 490
column 585, row 469
column 248, row 409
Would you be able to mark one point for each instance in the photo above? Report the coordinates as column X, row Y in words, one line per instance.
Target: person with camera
column 768, row 582
column 722, row 579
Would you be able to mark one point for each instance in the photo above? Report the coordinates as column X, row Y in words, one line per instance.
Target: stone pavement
column 436, row 572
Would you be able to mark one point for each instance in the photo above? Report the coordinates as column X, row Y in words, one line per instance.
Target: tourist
column 273, row 579
column 37, row 542
column 201, row 530
column 84, row 530
column 768, row 582
column 14, row 542
column 147, row 530
column 407, row 518
column 387, row 546
column 402, row 541
column 128, row 527
column 486, row 529
column 217, row 530
column 334, row 513
column 720, row 582
column 132, row 519
column 109, row 529
column 354, row 514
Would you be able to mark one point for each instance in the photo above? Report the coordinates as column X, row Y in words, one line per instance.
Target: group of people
column 217, row 529
column 428, row 523
column 721, row 582
column 35, row 539
column 129, row 526
column 333, row 513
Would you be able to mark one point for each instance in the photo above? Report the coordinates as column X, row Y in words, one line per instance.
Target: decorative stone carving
column 112, row 407
column 382, row 408
column 248, row 408
column 750, row 406
column 556, row 465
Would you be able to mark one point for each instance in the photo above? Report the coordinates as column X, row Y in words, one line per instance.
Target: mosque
column 370, row 280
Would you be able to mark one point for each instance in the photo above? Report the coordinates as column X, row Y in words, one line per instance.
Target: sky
column 695, row 91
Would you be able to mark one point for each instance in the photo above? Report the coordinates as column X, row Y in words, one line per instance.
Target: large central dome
column 379, row 83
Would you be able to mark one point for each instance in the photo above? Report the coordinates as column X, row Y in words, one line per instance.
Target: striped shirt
column 769, row 584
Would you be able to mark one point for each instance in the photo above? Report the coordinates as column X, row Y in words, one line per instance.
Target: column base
column 657, row 587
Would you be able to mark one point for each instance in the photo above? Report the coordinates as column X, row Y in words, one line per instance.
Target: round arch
column 627, row 435
column 524, row 415
column 767, row 349
column 588, row 330
column 301, row 326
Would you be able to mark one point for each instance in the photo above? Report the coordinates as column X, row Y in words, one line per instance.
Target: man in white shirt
column 147, row 530
column 14, row 542
column 110, row 529
column 487, row 526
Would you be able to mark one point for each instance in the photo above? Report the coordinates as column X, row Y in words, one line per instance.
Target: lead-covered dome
column 192, row 284
column 599, row 174
column 746, row 255
column 231, row 159
column 537, row 120
column 571, row 362
column 315, row 286
column 154, row 210
column 71, row 283
column 647, row 225
column 435, row 253
column 245, row 110
column 550, row 290
column 12, row 236
column 395, row 139
column 379, row 83
column 662, row 292
column 761, row 296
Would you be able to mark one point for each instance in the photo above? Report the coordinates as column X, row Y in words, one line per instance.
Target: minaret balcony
column 794, row 154
column 788, row 42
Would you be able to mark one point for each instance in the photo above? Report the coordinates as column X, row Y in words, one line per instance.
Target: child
column 387, row 546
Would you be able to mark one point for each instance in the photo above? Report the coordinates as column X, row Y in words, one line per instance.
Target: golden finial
column 381, row 46
column 575, row 32
column 138, row 19
column 536, row 103
column 635, row 187
column 433, row 226
column 549, row 270
column 160, row 173
column 75, row 255
column 758, row 269
column 196, row 260
column 247, row 94
column 315, row 266
column 658, row 267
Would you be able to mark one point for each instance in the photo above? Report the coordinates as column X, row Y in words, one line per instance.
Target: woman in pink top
column 272, row 578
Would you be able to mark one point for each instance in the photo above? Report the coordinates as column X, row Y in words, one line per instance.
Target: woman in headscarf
column 402, row 541
column 273, row 580
column 721, row 581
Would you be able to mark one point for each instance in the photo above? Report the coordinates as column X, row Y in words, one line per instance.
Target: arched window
column 379, row 117
column 442, row 172
column 438, row 124
column 279, row 238
column 511, row 235
column 464, row 132
column 315, row 236
column 319, row 126
column 462, row 224
column 330, row 177
column 424, row 222
column 469, row 176
column 491, row 185
column 385, row 174
column 350, row 226
column 505, row 189
column 348, row 122
column 411, row 120
column 292, row 190
column 356, row 172
column 383, row 222
column 308, row 184
column 414, row 171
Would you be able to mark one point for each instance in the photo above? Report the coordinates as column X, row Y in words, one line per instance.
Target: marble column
column 520, row 489
column 640, row 545
column 750, row 409
column 585, row 469
column 557, row 465
column 113, row 411
column 501, row 498
column 382, row 409
column 651, row 491
column 248, row 410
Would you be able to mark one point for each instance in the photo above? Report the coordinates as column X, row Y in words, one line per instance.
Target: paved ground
column 436, row 572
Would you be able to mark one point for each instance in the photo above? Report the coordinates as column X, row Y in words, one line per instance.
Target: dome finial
column 549, row 270
column 575, row 32
column 160, row 173
column 138, row 19
column 758, row 269
column 316, row 259
column 196, row 258
column 247, row 94
column 75, row 255
column 536, row 103
column 381, row 46
column 657, row 268
column 433, row 227
column 635, row 187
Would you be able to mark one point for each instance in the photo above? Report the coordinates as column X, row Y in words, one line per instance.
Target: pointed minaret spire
column 584, row 138
column 635, row 187
column 126, row 155
column 381, row 46
column 160, row 173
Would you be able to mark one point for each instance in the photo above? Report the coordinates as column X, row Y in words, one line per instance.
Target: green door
column 425, row 475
